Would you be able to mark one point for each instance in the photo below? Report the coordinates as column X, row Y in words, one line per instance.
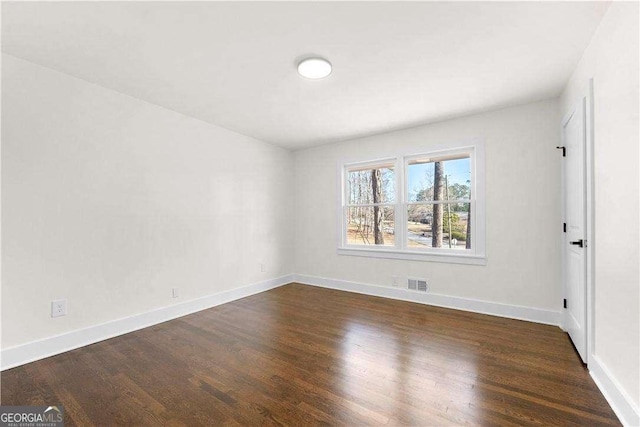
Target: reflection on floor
column 301, row 355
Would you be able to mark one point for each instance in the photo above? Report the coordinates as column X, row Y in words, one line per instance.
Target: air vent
column 417, row 285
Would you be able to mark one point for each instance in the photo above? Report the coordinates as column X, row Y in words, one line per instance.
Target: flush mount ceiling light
column 314, row 68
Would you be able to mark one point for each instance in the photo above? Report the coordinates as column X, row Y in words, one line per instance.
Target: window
column 426, row 207
column 371, row 204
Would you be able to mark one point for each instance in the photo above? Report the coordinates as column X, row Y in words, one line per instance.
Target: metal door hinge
column 564, row 303
column 580, row 243
column 564, row 227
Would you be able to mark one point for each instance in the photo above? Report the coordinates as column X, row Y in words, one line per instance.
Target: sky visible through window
column 458, row 172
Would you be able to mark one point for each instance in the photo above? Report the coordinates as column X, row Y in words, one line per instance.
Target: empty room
column 320, row 213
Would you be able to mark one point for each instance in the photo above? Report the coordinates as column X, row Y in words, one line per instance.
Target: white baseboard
column 624, row 407
column 620, row 402
column 537, row 315
column 36, row 350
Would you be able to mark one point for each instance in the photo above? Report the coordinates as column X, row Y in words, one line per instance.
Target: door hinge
column 564, row 151
column 564, row 227
column 580, row 243
column 564, row 303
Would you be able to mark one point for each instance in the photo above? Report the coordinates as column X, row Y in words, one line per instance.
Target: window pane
column 438, row 226
column 361, row 225
column 372, row 185
column 439, row 179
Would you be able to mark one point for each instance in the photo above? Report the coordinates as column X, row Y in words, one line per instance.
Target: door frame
column 588, row 100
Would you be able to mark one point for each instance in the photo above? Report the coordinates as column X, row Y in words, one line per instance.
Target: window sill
column 415, row 256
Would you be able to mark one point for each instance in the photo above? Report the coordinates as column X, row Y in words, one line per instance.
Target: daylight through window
column 370, row 213
column 438, row 203
column 424, row 204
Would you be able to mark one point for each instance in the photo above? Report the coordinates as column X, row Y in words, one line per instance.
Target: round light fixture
column 314, row 68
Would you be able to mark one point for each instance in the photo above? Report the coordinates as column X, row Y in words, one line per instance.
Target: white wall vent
column 417, row 285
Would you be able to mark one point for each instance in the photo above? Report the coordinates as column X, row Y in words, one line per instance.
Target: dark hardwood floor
column 299, row 355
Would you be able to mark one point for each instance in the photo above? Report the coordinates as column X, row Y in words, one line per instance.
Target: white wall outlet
column 263, row 268
column 59, row 308
column 395, row 281
column 175, row 293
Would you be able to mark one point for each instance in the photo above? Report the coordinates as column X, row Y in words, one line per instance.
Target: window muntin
column 418, row 190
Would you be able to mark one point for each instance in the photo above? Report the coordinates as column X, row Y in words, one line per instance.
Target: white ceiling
column 234, row 63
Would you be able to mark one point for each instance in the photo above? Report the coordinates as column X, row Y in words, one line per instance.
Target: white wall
column 522, row 209
column 109, row 202
column 612, row 61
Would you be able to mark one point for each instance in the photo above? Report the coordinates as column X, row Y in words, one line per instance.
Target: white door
column 575, row 268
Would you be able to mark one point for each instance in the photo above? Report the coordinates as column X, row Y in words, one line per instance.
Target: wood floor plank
column 301, row 355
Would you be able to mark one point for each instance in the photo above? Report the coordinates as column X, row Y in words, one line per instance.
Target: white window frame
column 400, row 250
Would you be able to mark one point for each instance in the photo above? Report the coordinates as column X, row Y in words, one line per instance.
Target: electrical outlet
column 175, row 293
column 59, row 308
column 395, row 280
column 263, row 268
